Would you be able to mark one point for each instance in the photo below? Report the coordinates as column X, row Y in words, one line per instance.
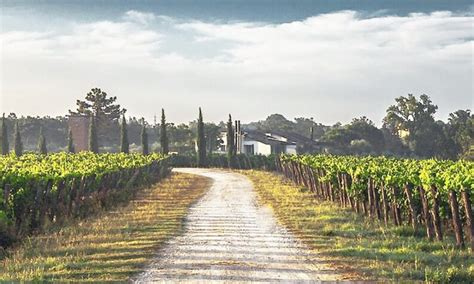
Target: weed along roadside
column 111, row 246
column 361, row 247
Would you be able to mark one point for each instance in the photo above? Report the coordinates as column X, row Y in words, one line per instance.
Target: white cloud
column 139, row 17
column 332, row 66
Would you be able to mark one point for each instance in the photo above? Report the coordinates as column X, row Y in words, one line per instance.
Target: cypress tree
column 312, row 133
column 144, row 140
column 230, row 143
column 70, row 143
column 4, row 147
column 201, row 142
column 93, row 143
column 17, row 141
column 124, row 145
column 163, row 134
column 42, row 143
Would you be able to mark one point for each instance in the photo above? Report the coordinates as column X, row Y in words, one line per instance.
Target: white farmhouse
column 259, row 143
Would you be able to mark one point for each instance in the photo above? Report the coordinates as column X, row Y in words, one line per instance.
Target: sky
column 331, row 60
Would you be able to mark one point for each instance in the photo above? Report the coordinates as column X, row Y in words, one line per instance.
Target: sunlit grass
column 361, row 248
column 111, row 246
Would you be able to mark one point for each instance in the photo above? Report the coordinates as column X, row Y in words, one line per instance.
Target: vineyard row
column 40, row 190
column 430, row 193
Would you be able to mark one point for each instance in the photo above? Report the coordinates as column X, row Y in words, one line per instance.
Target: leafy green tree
column 276, row 122
column 409, row 113
column 182, row 137
column 365, row 129
column 42, row 149
column 124, row 145
column 163, row 134
column 416, row 118
column 432, row 141
column 230, row 143
column 201, row 142
column 70, row 143
column 93, row 143
column 393, row 144
column 144, row 136
column 56, row 128
column 17, row 141
column 309, row 128
column 361, row 147
column 211, row 132
column 461, row 129
column 339, row 138
column 4, row 143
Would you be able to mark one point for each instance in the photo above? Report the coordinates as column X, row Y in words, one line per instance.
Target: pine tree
column 105, row 110
column 201, row 142
column 144, row 140
column 42, row 143
column 93, row 143
column 230, row 143
column 17, row 141
column 70, row 143
column 124, row 145
column 4, row 147
column 163, row 134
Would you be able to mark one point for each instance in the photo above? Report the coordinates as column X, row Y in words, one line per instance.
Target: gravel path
column 228, row 237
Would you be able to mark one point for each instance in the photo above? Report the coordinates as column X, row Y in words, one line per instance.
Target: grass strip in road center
column 113, row 245
column 361, row 248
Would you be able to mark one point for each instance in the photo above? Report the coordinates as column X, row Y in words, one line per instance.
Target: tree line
column 409, row 129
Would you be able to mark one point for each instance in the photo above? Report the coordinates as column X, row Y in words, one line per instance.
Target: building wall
column 258, row 147
column 290, row 149
column 79, row 126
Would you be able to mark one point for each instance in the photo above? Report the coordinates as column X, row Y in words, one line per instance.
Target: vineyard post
column 303, row 176
column 34, row 212
column 435, row 213
column 297, row 173
column 6, row 195
column 384, row 204
column 340, row 186
column 411, row 206
column 364, row 205
column 291, row 171
column 469, row 217
column 377, row 200
column 331, row 191
column 44, row 204
column 316, row 182
column 457, row 226
column 357, row 205
column 396, row 211
column 426, row 213
column 57, row 213
column 371, row 198
column 347, row 185
column 311, row 179
column 79, row 194
column 321, row 184
column 72, row 196
column 307, row 173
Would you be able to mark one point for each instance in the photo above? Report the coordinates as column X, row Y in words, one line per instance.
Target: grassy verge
column 111, row 246
column 361, row 248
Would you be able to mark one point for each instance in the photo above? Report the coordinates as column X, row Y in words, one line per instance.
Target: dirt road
column 229, row 237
